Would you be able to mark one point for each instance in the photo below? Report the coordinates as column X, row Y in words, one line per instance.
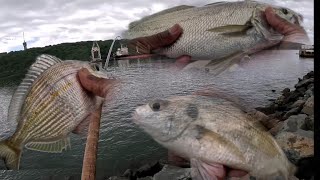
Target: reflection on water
column 122, row 144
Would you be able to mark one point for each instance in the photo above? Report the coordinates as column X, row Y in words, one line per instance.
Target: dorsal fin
column 42, row 63
column 166, row 11
column 216, row 3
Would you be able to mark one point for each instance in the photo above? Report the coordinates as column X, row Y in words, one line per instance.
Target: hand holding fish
column 94, row 84
column 292, row 32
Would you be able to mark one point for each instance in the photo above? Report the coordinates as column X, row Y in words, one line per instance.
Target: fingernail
column 174, row 30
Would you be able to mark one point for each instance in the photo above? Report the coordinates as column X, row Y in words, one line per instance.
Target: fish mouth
column 135, row 117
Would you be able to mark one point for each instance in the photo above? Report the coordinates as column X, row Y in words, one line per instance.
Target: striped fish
column 48, row 105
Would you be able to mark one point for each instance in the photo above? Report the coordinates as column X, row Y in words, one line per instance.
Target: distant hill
column 14, row 65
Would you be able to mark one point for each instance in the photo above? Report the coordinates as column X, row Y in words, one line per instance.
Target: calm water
column 122, row 144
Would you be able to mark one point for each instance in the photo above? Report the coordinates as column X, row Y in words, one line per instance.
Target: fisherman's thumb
column 305, row 168
column 10, row 155
column 96, row 85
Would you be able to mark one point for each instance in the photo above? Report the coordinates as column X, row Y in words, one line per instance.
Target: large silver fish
column 223, row 32
column 48, row 105
column 212, row 131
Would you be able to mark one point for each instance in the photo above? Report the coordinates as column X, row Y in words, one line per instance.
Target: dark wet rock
column 128, row 173
column 146, row 178
column 295, row 146
column 117, row 178
column 277, row 128
column 308, row 107
column 298, row 103
column 304, row 82
column 273, row 90
column 309, row 123
column 293, row 123
column 285, row 92
column 173, row 173
column 293, row 111
column 270, row 123
column 309, row 75
column 148, row 169
column 277, row 115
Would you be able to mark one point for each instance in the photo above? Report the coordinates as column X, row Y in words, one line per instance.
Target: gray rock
column 277, row 128
column 298, row 103
column 146, row 178
column 309, row 123
column 117, row 178
column 308, row 107
column 295, row 122
column 309, row 92
column 127, row 173
column 173, row 173
column 304, row 133
column 295, row 146
column 291, row 112
column 304, row 82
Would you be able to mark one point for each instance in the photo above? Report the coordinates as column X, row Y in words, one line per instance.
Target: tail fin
column 10, row 155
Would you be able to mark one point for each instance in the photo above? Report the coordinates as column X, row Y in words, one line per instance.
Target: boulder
column 291, row 112
column 304, row 83
column 298, row 103
column 310, row 123
column 295, row 146
column 173, row 173
column 295, row 122
column 308, row 107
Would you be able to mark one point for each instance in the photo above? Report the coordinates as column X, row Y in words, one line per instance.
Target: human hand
column 293, row 33
column 147, row 44
column 98, row 86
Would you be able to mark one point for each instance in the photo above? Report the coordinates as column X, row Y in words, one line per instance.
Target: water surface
column 122, row 144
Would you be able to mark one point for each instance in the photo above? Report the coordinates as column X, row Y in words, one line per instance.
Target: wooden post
column 90, row 154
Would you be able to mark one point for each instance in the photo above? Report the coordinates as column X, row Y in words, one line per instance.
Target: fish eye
column 155, row 106
column 285, row 11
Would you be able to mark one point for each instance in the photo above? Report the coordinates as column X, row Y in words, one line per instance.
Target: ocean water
column 122, row 144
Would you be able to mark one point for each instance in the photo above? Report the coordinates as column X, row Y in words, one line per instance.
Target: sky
column 49, row 22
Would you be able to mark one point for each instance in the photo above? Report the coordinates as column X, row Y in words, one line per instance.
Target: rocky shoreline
column 289, row 118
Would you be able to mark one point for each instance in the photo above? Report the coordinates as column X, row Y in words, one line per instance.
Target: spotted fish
column 212, row 131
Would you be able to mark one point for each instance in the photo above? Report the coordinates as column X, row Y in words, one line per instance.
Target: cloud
column 56, row 21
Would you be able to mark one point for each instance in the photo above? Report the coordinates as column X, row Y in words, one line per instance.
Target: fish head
column 289, row 15
column 284, row 12
column 166, row 120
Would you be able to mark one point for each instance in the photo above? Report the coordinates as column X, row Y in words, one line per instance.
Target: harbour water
column 122, row 144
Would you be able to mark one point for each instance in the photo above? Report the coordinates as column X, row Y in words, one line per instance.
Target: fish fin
column 197, row 64
column 204, row 135
column 10, row 155
column 166, row 11
column 83, row 126
column 206, row 171
column 216, row 3
column 52, row 147
column 232, row 30
column 218, row 66
column 42, row 63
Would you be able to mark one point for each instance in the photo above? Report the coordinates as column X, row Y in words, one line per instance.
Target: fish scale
column 216, row 131
column 48, row 105
column 201, row 39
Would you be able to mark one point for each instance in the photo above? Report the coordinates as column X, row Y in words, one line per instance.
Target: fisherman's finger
column 281, row 25
column 96, row 85
column 145, row 45
column 182, row 61
column 237, row 173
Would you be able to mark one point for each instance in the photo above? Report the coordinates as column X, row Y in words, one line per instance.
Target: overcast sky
column 48, row 22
